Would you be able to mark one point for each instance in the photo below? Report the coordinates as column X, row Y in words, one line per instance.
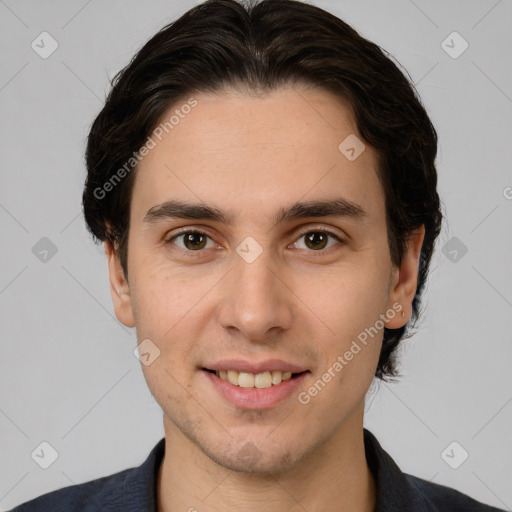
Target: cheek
column 348, row 303
column 348, row 299
column 171, row 307
column 163, row 294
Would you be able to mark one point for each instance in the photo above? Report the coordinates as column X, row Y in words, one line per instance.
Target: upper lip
column 241, row 365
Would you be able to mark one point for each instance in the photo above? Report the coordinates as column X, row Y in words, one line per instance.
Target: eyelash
column 199, row 232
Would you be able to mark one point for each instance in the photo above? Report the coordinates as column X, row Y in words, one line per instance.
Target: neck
column 335, row 471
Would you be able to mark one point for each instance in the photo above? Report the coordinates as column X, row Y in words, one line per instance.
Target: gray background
column 67, row 372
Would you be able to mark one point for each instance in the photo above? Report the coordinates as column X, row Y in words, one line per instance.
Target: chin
column 251, row 461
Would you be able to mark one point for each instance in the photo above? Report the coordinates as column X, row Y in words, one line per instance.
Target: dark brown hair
column 260, row 47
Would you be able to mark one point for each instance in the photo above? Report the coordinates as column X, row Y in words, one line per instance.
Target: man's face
column 300, row 290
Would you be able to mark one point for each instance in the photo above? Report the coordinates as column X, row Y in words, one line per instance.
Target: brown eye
column 194, row 241
column 317, row 240
column 191, row 240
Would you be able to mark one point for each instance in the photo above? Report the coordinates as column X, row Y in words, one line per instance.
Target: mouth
column 261, row 380
column 260, row 391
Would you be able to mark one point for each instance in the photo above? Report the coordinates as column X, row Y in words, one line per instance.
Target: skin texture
column 250, row 156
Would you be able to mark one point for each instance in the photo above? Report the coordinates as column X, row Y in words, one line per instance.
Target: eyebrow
column 175, row 209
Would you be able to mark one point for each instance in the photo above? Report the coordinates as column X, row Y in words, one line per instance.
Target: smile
column 251, row 380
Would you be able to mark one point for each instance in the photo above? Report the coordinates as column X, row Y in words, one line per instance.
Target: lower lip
column 254, row 398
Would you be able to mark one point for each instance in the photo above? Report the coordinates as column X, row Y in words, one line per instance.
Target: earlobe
column 405, row 282
column 119, row 287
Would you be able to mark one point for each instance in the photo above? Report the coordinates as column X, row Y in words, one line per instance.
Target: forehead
column 250, row 151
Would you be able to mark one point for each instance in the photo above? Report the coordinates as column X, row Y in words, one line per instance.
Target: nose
column 256, row 300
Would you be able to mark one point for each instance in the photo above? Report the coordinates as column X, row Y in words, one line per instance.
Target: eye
column 317, row 240
column 195, row 240
column 192, row 240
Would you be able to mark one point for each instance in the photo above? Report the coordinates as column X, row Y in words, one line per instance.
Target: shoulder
column 447, row 499
column 400, row 491
column 128, row 490
column 89, row 496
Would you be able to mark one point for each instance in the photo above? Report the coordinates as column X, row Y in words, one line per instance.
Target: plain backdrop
column 68, row 376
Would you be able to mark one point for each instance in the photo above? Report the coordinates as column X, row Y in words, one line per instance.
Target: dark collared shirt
column 134, row 490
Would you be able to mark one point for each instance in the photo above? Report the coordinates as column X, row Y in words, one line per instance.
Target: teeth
column 251, row 380
column 277, row 378
column 262, row 380
column 246, row 380
column 233, row 377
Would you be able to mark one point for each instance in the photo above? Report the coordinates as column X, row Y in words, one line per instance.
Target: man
column 264, row 181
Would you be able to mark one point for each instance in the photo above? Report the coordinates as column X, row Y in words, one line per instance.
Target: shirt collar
column 394, row 491
column 140, row 485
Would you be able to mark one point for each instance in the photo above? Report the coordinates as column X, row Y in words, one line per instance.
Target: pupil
column 194, row 241
column 312, row 240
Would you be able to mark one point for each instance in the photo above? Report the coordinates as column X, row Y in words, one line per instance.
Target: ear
column 405, row 280
column 119, row 287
